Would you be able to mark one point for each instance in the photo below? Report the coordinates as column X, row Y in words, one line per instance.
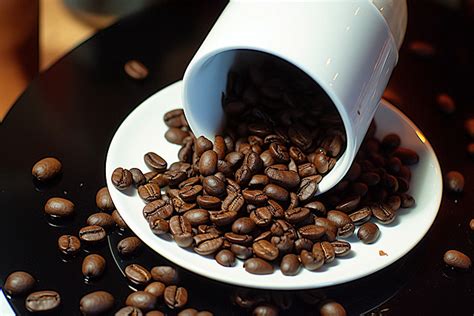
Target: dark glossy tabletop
column 72, row 111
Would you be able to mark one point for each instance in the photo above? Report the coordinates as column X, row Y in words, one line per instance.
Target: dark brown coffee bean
column 349, row 203
column 341, row 248
column 265, row 250
column 311, row 232
column 214, row 186
column 361, row 216
column 308, row 188
column 233, row 202
column 312, row 261
column 407, row 156
column 138, row 177
column 149, row 192
column 331, row 308
column 181, row 229
column 243, row 175
column 338, row 218
column 471, row 224
column 166, row 274
column 174, row 118
column 297, row 155
column 92, row 233
column 119, row 220
column 290, row 264
column 202, row 144
column 225, row 258
column 189, row 193
column 328, row 250
column 175, row 297
column 93, row 266
column 103, row 200
column 454, row 181
column 141, row 300
column 19, row 283
column 321, row 162
column 197, row 216
column 137, row 274
column 383, row 213
column 156, row 288
column 59, row 207
column 136, row 69
column 407, row 200
column 180, row 206
column 394, row 202
column 208, row 163
column 241, row 252
column 316, row 208
column 161, row 179
column 185, row 153
column 207, row 244
column 265, row 310
column 303, row 243
column 276, row 192
column 297, row 215
column 69, row 245
column 159, row 226
column 234, row 158
column 129, row 311
column 287, row 179
column 368, row 233
column 258, row 266
column 157, row 209
column 279, row 153
column 208, row 202
column 42, row 301
column 256, row 197
column 457, row 259
column 122, row 178
column 300, row 136
column 261, row 216
column 307, row 169
column 188, row 312
column 155, row 162
column 222, row 218
column 267, row 158
column 243, row 225
column 46, row 169
column 258, row 181
column 129, row 245
column 370, row 178
column 101, row 219
column 176, row 135
column 240, row 239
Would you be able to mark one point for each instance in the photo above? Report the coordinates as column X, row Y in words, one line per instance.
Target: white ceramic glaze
column 143, row 130
column 346, row 46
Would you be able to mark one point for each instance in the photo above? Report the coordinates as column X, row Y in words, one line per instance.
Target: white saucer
column 143, row 131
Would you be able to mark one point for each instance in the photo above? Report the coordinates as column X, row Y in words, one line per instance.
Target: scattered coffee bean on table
column 137, row 274
column 265, row 310
column 469, row 127
column 96, row 303
column 445, row 103
column 46, row 169
column 19, row 283
column 142, row 300
column 129, row 246
column 454, row 181
column 470, row 150
column 457, row 259
column 93, row 266
column 103, row 200
column 101, row 219
column 59, row 207
column 129, row 311
column 331, row 308
column 92, row 234
column 135, row 69
column 166, row 274
column 42, row 301
column 69, row 245
column 175, row 297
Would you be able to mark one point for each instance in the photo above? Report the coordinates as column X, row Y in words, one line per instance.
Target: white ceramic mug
column 349, row 47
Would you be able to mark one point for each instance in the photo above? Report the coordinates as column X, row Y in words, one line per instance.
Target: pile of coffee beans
column 251, row 193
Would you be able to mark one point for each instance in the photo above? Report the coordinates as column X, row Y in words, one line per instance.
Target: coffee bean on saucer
column 93, row 266
column 174, row 118
column 69, row 245
column 129, row 311
column 331, row 308
column 46, row 169
column 166, row 274
column 129, row 245
column 121, row 178
column 135, row 69
column 175, row 297
column 445, row 103
column 103, row 200
column 142, row 300
column 19, row 283
column 42, row 301
column 59, row 207
column 454, row 181
column 176, row 135
column 258, row 266
column 96, row 303
column 155, row 162
column 368, row 233
column 457, row 259
column 137, row 274
column 290, row 264
column 225, row 258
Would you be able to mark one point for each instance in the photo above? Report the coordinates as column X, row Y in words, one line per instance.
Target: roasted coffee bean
column 96, row 303
column 136, row 69
column 59, row 207
column 103, row 200
column 368, row 233
column 303, row 243
column 166, row 274
column 180, row 206
column 307, row 169
column 243, row 175
column 208, row 202
column 223, row 217
column 93, row 266
column 312, row 261
column 394, row 202
column 233, row 202
column 457, row 259
column 311, row 232
column 383, row 213
column 361, row 216
column 122, row 178
column 265, row 310
column 156, row 288
column 141, row 300
column 258, row 266
column 202, row 144
column 208, row 243
column 341, row 248
column 407, row 200
column 267, row 158
column 243, row 225
column 276, row 192
column 349, row 203
column 42, row 301
column 161, row 180
column 454, row 181
column 92, row 233
column 287, row 179
column 181, row 229
column 338, row 218
column 370, row 178
column 403, row 185
column 258, row 180
column 253, row 162
column 69, row 245
column 297, row 214
column 137, row 274
column 331, row 308
column 119, row 220
column 300, row 136
column 208, row 163
column 46, row 169
column 279, row 153
column 175, row 177
column 265, row 250
column 297, row 155
column 188, row 312
column 290, row 264
column 234, row 158
column 129, row 311
column 261, row 216
column 327, row 249
column 219, row 147
column 174, row 118
column 19, row 283
column 129, row 245
column 225, row 258
column 189, row 193
column 407, row 156
column 255, row 197
column 308, row 188
column 159, row 226
column 197, row 216
column 471, row 224
column 189, row 182
column 390, row 142
column 175, row 297
column 185, row 153
column 157, row 209
column 240, row 239
column 321, row 162
column 176, row 135
column 213, row 186
column 241, row 252
column 150, row 175
column 137, row 177
column 101, row 219
column 149, row 192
